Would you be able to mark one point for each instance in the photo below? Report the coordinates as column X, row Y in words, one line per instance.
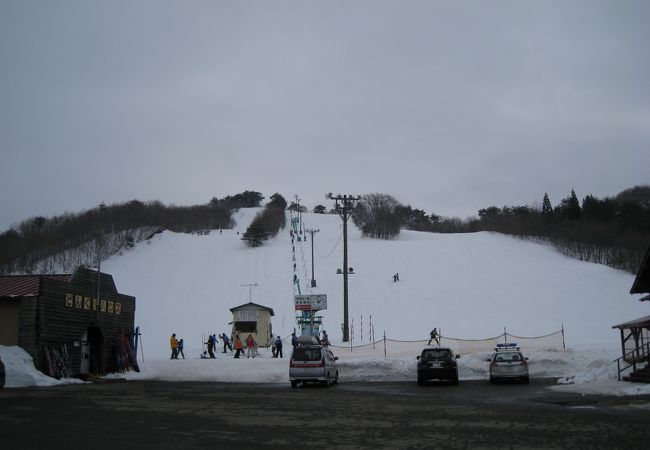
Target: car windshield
column 306, row 354
column 508, row 357
column 438, row 354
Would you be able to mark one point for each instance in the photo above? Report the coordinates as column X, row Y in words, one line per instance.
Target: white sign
column 248, row 315
column 314, row 302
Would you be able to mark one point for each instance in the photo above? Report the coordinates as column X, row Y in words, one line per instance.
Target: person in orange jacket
column 238, row 346
column 173, row 343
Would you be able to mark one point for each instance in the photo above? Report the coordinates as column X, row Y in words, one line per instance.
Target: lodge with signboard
column 62, row 314
column 252, row 319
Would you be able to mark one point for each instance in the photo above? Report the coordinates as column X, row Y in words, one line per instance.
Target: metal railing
column 641, row 354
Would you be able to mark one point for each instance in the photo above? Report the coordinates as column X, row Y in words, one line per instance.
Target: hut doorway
column 96, row 351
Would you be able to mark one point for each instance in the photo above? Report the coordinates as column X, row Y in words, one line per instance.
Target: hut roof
column 251, row 305
column 30, row 285
column 641, row 283
column 643, row 322
column 25, row 285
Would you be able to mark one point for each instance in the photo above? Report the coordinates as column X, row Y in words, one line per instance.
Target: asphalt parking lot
column 181, row 415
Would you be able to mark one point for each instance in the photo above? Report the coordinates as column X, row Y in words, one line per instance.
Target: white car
column 508, row 363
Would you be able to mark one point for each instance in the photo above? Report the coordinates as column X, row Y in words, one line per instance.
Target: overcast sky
column 450, row 106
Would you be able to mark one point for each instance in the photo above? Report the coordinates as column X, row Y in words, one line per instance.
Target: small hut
column 62, row 323
column 635, row 334
column 253, row 319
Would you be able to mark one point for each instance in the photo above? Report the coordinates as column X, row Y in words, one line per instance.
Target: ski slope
column 470, row 286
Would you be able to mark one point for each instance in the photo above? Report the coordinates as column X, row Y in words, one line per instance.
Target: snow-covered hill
column 470, row 286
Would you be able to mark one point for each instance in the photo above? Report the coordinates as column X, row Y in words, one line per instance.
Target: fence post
column 564, row 345
column 373, row 336
column 384, row 343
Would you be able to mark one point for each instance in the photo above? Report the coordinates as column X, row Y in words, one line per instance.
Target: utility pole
column 102, row 208
column 344, row 210
column 299, row 213
column 312, row 231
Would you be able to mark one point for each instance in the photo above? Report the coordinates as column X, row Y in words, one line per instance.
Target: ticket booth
column 253, row 319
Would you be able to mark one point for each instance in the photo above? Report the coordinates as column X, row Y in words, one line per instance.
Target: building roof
column 643, row 322
column 641, row 283
column 25, row 285
column 251, row 305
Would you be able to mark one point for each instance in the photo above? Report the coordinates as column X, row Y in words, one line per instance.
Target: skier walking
column 226, row 342
column 434, row 336
column 278, row 346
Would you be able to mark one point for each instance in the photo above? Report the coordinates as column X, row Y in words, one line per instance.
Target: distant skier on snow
column 434, row 336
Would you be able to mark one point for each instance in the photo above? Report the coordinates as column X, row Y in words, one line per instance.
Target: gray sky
column 450, row 106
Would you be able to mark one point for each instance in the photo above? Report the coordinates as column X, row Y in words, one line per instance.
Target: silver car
column 508, row 365
column 313, row 363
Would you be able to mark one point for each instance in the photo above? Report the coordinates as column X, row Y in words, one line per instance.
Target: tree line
column 267, row 223
column 107, row 229
column 613, row 230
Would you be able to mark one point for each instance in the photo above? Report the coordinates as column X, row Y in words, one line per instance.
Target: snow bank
column 19, row 366
column 585, row 370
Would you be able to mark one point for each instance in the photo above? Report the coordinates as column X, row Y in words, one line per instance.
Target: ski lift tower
column 308, row 305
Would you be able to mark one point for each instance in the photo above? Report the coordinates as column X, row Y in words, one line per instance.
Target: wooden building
column 635, row 334
column 253, row 319
column 42, row 312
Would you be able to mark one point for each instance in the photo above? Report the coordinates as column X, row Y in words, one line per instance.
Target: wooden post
column 563, row 343
column 384, row 343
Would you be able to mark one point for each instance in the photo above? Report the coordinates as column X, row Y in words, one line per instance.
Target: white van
column 313, row 363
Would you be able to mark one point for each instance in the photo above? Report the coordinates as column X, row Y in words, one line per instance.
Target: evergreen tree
column 569, row 208
column 547, row 208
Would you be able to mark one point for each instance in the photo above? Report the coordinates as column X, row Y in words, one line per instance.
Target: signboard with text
column 315, row 302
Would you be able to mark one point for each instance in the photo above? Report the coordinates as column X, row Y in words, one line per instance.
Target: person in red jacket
column 250, row 346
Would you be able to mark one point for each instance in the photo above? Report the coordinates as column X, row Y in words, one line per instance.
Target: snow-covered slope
column 469, row 285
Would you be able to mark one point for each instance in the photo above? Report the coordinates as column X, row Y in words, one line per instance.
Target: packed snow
column 469, row 286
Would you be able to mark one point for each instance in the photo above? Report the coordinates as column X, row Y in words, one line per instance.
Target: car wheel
column 455, row 380
column 336, row 380
column 294, row 384
column 327, row 382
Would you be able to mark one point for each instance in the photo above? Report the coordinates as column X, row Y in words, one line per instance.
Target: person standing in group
column 238, row 346
column 274, row 350
column 250, row 346
column 179, row 348
column 215, row 341
column 326, row 340
column 173, row 343
column 434, row 337
column 226, row 342
column 294, row 340
column 211, row 346
column 278, row 347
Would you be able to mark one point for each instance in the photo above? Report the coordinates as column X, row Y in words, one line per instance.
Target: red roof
column 25, row 285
